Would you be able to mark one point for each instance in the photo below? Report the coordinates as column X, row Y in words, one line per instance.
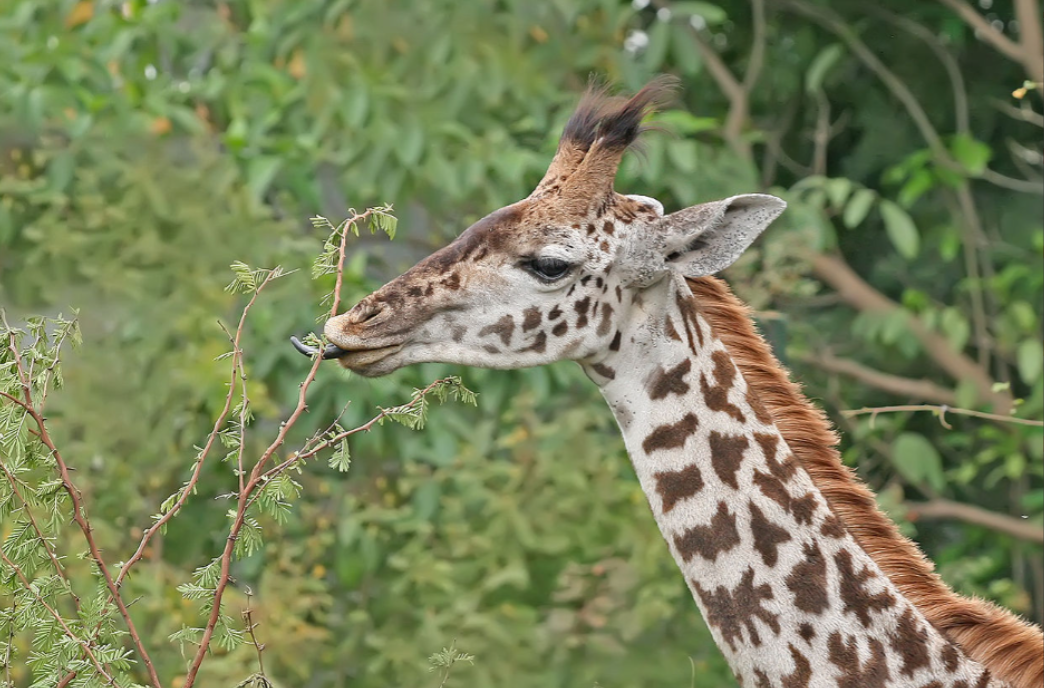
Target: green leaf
column 1030, row 357
column 342, row 458
column 858, row 207
column 971, row 154
column 260, row 173
column 712, row 14
column 659, row 42
column 837, row 191
column 956, row 328
column 918, row 461
column 683, row 155
column 821, row 65
column 901, row 229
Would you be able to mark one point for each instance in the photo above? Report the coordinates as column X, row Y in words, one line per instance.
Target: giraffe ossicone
column 802, row 581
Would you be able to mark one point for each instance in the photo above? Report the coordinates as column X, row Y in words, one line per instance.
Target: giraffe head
column 552, row 276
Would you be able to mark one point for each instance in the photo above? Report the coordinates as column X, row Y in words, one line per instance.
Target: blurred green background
column 145, row 146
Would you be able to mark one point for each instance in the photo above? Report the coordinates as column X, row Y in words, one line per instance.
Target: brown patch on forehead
column 493, row 232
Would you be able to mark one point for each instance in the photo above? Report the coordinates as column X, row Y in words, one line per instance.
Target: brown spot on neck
column 808, row 582
column 665, row 382
column 732, row 611
column 856, row 598
column 674, row 486
column 708, row 541
column 670, row 435
column 768, row 536
column 727, row 455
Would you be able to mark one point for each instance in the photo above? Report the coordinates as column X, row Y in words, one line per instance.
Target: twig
column 80, row 514
column 365, row 427
column 58, row 617
column 250, row 626
column 941, row 410
column 953, row 71
column 256, row 479
column 944, row 508
column 188, row 488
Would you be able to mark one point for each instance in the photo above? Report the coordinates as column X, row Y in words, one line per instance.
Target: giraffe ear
column 707, row 238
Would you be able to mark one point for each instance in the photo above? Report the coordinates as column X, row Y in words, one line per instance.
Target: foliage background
column 145, row 146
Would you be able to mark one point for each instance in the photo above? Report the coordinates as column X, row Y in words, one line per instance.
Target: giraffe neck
column 790, row 597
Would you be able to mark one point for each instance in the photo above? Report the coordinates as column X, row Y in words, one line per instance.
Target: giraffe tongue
column 331, row 350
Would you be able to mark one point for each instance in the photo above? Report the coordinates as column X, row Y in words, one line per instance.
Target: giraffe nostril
column 367, row 313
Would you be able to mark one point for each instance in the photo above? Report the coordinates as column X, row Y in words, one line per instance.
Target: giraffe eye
column 548, row 269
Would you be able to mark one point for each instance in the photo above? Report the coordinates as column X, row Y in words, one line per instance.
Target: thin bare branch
column 985, row 30
column 941, row 411
column 900, row 90
column 944, row 508
column 735, row 91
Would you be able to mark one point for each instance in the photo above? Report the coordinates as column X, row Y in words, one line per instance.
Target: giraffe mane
column 1005, row 644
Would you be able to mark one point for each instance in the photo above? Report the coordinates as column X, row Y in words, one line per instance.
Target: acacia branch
column 58, row 617
column 80, row 512
column 189, row 487
column 944, row 508
column 256, row 478
column 59, row 569
column 856, row 292
column 903, row 386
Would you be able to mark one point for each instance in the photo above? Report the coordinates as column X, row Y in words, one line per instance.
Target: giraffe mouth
column 350, row 358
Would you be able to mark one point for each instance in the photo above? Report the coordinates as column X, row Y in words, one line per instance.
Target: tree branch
column 1031, row 35
column 985, row 30
column 856, row 292
column 925, row 390
column 943, row 508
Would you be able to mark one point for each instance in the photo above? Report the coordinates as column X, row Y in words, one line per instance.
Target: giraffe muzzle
column 331, row 351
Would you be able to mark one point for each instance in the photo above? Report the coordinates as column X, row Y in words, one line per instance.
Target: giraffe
column 803, row 582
